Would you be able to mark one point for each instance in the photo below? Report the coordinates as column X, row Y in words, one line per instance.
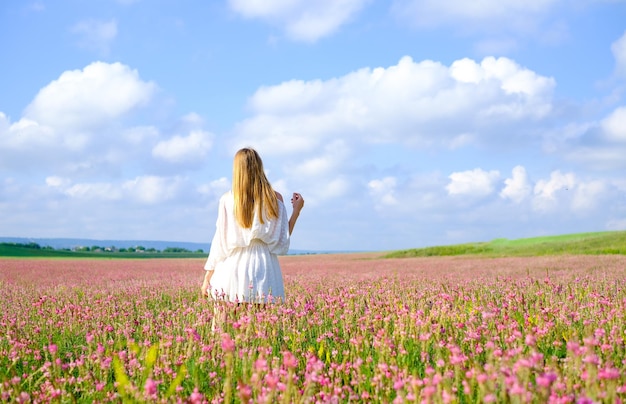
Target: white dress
column 245, row 261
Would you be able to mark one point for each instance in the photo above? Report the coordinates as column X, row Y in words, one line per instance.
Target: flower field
column 354, row 328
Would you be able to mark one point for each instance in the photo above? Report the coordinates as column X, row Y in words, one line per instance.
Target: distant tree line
column 31, row 245
column 99, row 249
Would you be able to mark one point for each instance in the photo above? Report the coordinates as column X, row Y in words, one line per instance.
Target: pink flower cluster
column 353, row 328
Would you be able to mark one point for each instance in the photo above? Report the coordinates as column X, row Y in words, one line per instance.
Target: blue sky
column 404, row 123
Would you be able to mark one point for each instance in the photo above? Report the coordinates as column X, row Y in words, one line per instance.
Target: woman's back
column 245, row 259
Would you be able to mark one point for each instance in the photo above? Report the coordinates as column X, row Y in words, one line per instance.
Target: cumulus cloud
column 547, row 191
column 473, row 183
column 619, row 53
column 78, row 122
column 382, row 190
column 25, row 133
column 588, row 195
column 600, row 145
column 192, row 148
column 139, row 134
column 86, row 99
column 321, row 172
column 614, row 125
column 144, row 190
column 151, row 189
column 96, row 35
column 302, row 20
column 215, row 188
column 415, row 103
column 599, row 157
column 517, row 188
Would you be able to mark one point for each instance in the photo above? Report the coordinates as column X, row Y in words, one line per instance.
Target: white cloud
column 619, row 53
column 192, row 148
column 86, row 99
column 614, row 125
column 151, row 189
column 517, row 188
column 58, row 182
column 97, row 191
column 321, row 173
column 473, row 183
column 77, row 122
column 332, row 157
column 145, row 189
column 96, row 35
column 511, row 77
column 587, row 195
column 411, row 103
column 140, row 134
column 301, row 19
column 383, row 191
column 599, row 145
column 26, row 133
column 600, row 157
column 546, row 192
column 215, row 188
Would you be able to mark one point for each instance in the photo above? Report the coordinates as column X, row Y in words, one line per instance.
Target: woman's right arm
column 217, row 251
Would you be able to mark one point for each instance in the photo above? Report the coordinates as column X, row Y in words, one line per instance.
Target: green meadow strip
column 599, row 243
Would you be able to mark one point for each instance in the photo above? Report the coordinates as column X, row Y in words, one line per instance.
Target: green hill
column 611, row 242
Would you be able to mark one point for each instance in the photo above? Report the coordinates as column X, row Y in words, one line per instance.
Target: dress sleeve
column 279, row 241
column 218, row 251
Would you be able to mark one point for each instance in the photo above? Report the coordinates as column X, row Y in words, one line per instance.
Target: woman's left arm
column 297, row 202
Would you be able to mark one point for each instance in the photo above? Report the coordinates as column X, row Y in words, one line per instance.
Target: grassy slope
column 19, row 251
column 583, row 243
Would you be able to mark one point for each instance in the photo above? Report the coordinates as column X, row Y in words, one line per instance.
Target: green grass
column 612, row 242
column 17, row 250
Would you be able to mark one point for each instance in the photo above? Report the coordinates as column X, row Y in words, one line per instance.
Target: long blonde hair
column 251, row 189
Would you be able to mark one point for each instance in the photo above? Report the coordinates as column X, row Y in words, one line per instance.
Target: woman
column 252, row 230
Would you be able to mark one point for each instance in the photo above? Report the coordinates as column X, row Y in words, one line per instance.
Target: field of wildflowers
column 355, row 328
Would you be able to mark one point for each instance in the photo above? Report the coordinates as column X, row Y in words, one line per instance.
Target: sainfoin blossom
column 354, row 328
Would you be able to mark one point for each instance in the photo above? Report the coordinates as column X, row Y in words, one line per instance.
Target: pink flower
column 228, row 345
column 609, row 373
column 260, row 365
column 196, row 397
column 546, row 379
column 150, row 387
column 271, row 381
column 398, row 384
column 23, row 398
column 245, row 392
column 289, row 360
column 193, row 334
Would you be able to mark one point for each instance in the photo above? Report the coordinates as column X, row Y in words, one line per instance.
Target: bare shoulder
column 279, row 196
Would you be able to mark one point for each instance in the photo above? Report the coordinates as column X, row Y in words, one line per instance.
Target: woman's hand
column 297, row 201
column 205, row 284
